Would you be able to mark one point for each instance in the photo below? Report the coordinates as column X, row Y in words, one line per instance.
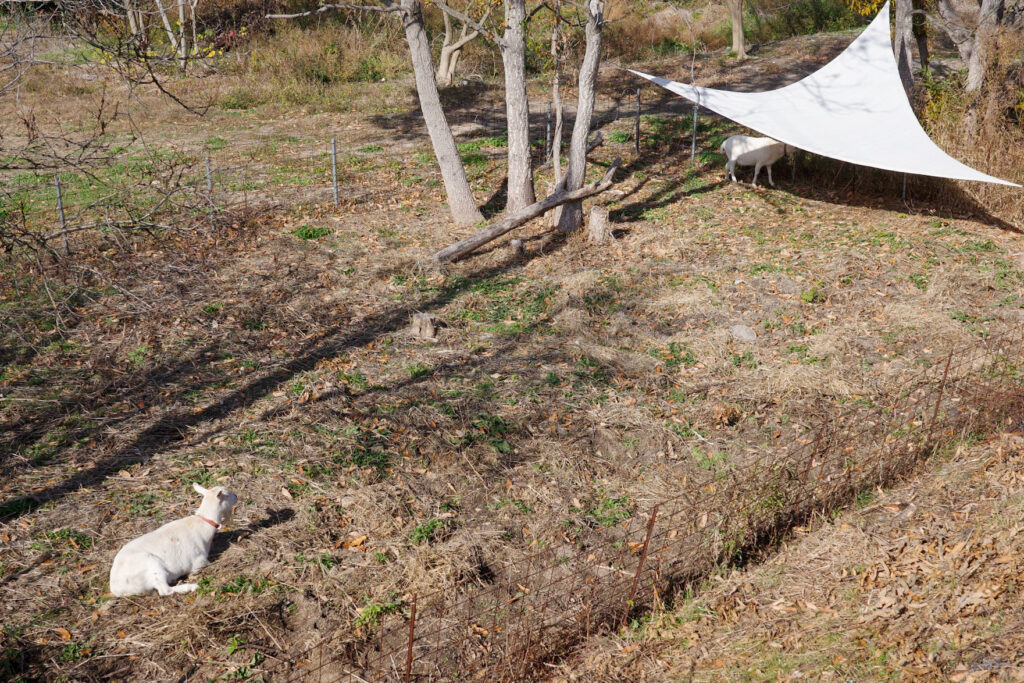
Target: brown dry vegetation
column 569, row 388
column 920, row 582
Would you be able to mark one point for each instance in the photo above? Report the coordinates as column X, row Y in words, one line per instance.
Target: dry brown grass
column 280, row 367
column 296, row 64
column 917, row 581
column 632, row 36
column 987, row 131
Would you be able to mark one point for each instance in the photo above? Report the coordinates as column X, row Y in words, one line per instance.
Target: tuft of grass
column 72, row 537
column 239, row 585
column 428, row 531
column 482, row 143
column 371, row 613
column 610, row 511
column 678, row 354
column 746, row 360
column 491, row 430
column 311, row 232
column 417, row 370
column 812, row 296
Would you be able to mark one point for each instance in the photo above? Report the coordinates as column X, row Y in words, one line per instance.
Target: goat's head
column 218, row 503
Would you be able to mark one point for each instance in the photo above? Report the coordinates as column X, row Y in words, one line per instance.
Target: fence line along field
column 591, row 431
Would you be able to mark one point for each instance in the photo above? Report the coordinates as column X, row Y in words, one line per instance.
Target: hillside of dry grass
column 569, row 389
column 918, row 582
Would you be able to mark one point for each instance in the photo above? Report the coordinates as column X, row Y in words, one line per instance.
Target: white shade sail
column 853, row 109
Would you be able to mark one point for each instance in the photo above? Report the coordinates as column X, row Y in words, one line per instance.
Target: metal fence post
column 693, row 138
column 60, row 210
column 547, row 136
column 334, row 170
column 640, row 564
column 636, row 128
column 938, row 400
column 412, row 637
column 209, row 193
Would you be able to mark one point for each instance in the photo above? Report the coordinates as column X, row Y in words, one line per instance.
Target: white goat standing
column 152, row 561
column 756, row 152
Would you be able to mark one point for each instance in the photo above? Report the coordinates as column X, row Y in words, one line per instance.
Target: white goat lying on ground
column 756, row 152
column 152, row 561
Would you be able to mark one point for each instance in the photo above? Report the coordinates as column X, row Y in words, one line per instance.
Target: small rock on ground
column 743, row 333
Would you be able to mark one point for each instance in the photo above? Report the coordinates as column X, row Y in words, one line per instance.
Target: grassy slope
column 919, row 582
column 371, row 465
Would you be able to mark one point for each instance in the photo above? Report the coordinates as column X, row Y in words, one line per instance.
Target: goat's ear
column 222, row 494
column 199, row 489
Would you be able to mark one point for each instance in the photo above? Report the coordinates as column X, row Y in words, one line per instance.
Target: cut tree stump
column 598, row 228
column 423, row 326
column 517, row 248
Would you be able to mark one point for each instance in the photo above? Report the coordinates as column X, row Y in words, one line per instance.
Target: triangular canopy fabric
column 853, row 109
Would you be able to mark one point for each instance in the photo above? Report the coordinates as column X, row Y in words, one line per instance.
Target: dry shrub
column 768, row 20
column 225, row 15
column 299, row 64
column 986, row 130
column 632, row 35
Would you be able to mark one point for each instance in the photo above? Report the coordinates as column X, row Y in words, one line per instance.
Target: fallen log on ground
column 509, row 223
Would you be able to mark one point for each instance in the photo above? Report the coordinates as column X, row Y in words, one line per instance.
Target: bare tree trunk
column 739, row 45
column 956, row 29
column 130, row 14
column 171, row 38
column 572, row 212
column 517, row 108
column 192, row 18
column 460, row 198
column 902, row 42
column 920, row 33
column 556, row 99
column 989, row 17
column 451, row 50
column 182, row 36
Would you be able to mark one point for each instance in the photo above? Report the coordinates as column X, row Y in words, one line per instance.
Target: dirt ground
column 273, row 357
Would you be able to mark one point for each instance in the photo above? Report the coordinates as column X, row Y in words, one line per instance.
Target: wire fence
column 204, row 188
column 208, row 185
column 531, row 612
column 538, row 609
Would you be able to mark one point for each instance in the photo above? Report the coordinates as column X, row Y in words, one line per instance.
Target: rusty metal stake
column 640, row 565
column 938, row 401
column 636, row 131
column 412, row 636
column 822, row 431
column 60, row 210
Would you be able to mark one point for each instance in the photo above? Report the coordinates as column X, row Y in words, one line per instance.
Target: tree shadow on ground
column 172, row 428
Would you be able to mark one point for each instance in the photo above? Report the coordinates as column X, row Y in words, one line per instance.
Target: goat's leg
column 770, row 181
column 757, row 169
column 730, row 170
column 159, row 580
column 164, row 588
